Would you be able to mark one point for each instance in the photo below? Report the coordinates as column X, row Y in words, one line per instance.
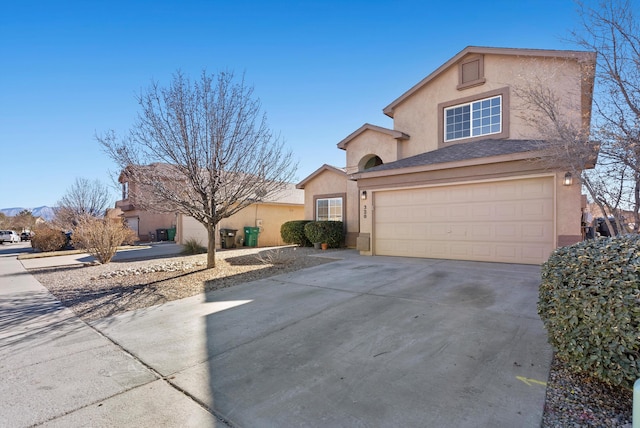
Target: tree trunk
column 211, row 246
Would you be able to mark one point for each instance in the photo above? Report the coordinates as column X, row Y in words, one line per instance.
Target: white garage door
column 503, row 221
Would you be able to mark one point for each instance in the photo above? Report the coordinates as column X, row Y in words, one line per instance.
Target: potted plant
column 327, row 233
column 315, row 233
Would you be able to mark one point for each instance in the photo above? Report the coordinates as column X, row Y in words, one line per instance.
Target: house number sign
column 364, row 212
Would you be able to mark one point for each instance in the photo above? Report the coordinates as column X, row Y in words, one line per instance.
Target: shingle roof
column 369, row 127
column 325, row 167
column 463, row 151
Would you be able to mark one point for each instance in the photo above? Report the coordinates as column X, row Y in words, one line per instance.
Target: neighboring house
column 144, row 223
column 268, row 216
column 455, row 178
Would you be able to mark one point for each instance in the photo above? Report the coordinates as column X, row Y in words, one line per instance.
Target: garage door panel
column 537, row 231
column 507, row 221
column 437, row 214
column 480, row 232
column 507, row 211
column 481, row 211
column 538, row 208
column 507, row 252
column 508, row 232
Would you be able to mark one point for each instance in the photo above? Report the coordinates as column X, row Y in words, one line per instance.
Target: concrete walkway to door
column 364, row 341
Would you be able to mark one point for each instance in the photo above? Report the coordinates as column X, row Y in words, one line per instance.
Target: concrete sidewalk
column 58, row 371
column 154, row 250
column 365, row 341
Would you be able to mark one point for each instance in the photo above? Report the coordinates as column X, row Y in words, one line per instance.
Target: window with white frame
column 473, row 119
column 329, row 209
column 125, row 190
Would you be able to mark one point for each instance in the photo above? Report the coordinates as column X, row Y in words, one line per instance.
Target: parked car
column 26, row 236
column 9, row 236
column 601, row 226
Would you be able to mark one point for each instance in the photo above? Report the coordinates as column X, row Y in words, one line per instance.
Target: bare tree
column 84, row 198
column 24, row 220
column 203, row 149
column 612, row 31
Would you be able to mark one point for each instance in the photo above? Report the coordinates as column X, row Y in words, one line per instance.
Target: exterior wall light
column 363, row 195
column 568, row 179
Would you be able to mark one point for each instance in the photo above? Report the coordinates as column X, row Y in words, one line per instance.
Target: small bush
column 192, row 246
column 589, row 303
column 47, row 239
column 292, row 232
column 101, row 237
column 330, row 232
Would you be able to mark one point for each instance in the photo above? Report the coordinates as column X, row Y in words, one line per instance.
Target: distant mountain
column 45, row 212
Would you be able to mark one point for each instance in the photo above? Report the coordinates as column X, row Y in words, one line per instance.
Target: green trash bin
column 251, row 236
column 171, row 234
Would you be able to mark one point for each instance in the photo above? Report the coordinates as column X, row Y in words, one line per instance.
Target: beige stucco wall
column 371, row 142
column 568, row 211
column 331, row 184
column 418, row 114
column 147, row 222
column 325, row 184
column 268, row 217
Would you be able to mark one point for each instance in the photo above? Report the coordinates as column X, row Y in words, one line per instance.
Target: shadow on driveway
column 365, row 341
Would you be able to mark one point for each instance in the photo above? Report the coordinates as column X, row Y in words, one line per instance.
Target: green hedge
column 589, row 303
column 292, row 232
column 330, row 232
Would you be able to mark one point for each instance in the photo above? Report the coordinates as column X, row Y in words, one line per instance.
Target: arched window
column 370, row 162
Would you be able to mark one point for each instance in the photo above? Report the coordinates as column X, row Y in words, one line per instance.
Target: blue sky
column 71, row 69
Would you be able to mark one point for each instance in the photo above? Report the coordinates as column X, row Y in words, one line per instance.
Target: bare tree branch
column 84, row 198
column 203, row 149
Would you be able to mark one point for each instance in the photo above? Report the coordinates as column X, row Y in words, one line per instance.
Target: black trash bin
column 162, row 234
column 228, row 238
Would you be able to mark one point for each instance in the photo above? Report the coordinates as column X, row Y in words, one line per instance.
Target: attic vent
column 471, row 72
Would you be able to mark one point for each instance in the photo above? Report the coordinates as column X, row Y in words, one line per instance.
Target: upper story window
column 125, row 190
column 473, row 119
column 329, row 209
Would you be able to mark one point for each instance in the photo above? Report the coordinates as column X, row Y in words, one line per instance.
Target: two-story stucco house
column 267, row 215
column 455, row 177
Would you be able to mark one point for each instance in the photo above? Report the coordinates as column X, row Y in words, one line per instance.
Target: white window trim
column 471, row 134
column 335, row 198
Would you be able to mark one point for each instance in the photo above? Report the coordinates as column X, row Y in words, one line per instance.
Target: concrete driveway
column 360, row 342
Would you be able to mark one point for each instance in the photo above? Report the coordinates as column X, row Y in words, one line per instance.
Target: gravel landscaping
column 97, row 291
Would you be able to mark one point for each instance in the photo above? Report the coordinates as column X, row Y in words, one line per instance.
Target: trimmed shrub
column 292, row 232
column 47, row 239
column 330, row 232
column 589, row 303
